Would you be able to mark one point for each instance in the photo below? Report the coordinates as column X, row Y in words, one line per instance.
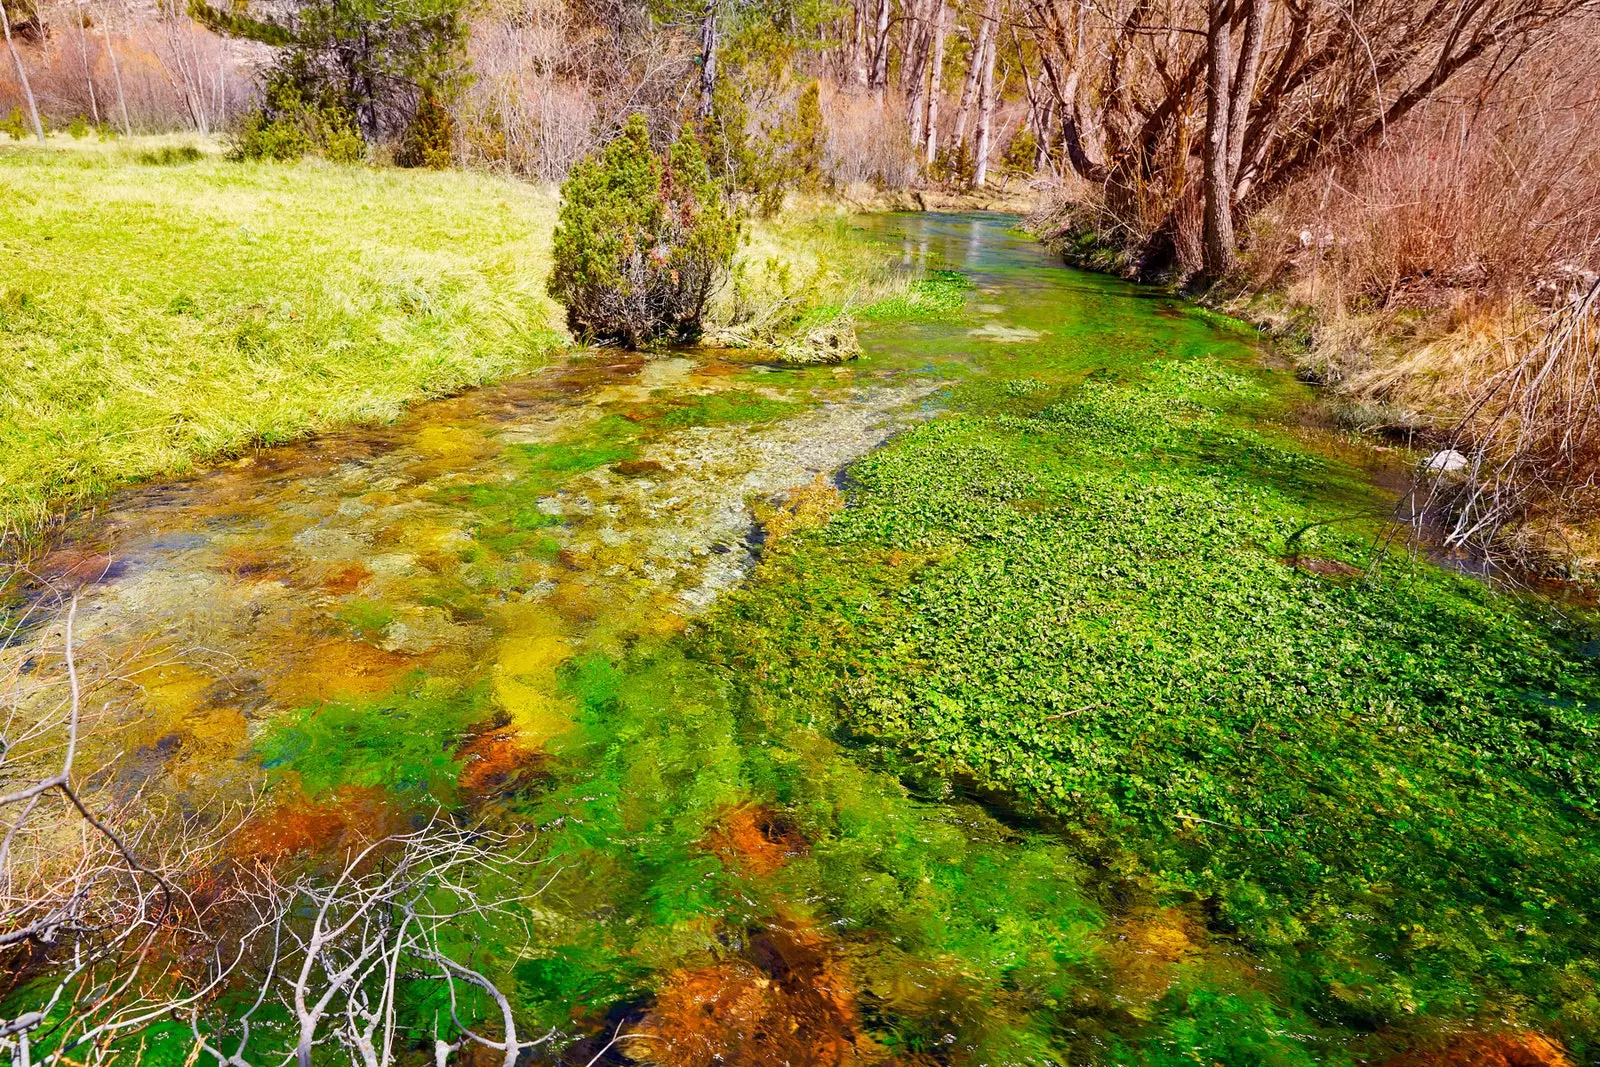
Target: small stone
column 1448, row 461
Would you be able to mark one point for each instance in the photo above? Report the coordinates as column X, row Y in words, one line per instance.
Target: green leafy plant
column 15, row 125
column 643, row 241
column 170, row 155
column 350, row 71
column 429, row 137
column 286, row 128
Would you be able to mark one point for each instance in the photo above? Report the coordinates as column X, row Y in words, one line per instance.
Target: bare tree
column 1219, row 240
column 880, row 53
column 986, row 96
column 969, row 89
column 935, row 77
column 1288, row 88
column 116, row 72
column 82, row 18
column 22, row 76
column 708, row 58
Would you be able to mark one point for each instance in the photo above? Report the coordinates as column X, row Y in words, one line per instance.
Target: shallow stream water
column 353, row 629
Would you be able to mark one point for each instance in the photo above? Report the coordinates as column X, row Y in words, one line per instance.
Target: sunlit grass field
column 151, row 314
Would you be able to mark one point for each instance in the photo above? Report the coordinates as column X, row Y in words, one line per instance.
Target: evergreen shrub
column 643, row 241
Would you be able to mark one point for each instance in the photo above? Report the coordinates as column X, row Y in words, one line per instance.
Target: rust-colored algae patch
column 341, row 666
column 346, row 579
column 1512, row 1048
column 496, row 760
column 785, row 1000
column 755, row 839
column 349, row 819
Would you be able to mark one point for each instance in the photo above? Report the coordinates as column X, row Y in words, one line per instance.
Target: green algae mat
column 1030, row 691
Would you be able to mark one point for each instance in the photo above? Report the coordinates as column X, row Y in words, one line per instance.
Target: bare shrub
column 117, row 914
column 526, row 109
column 868, row 141
column 1532, row 437
column 1500, row 204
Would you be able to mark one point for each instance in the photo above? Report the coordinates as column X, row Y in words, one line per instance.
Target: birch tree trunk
column 880, row 53
column 970, row 88
column 116, row 75
column 859, row 57
column 22, row 76
column 934, row 78
column 88, row 75
column 982, row 134
column 914, row 71
column 1218, row 190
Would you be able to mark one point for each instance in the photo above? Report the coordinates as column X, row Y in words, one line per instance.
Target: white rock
column 1447, row 462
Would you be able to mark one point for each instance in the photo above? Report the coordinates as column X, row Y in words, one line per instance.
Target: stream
column 484, row 607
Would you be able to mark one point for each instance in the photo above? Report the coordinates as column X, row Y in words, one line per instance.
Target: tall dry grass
column 1446, row 280
column 1532, row 437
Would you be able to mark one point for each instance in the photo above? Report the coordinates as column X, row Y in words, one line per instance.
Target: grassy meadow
column 151, row 314
column 159, row 305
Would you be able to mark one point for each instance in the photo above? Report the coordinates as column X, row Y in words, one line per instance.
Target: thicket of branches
column 119, row 917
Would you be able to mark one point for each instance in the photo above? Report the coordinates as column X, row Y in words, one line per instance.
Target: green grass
column 153, row 315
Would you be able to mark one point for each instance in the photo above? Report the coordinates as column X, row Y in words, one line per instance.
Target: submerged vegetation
column 1093, row 602
column 1078, row 721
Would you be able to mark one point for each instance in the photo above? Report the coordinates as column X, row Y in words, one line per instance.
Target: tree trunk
column 969, row 89
column 880, row 53
column 1044, row 137
column 1244, row 86
column 934, row 78
column 708, row 59
column 88, row 75
column 22, row 76
column 914, row 72
column 986, row 94
column 859, row 58
column 116, row 76
column 1218, row 190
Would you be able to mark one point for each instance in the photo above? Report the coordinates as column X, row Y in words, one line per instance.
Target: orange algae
column 343, row 666
column 346, row 579
column 352, row 817
column 1149, row 946
column 755, row 839
column 496, row 760
column 784, row 1000
column 1512, row 1048
column 805, row 508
